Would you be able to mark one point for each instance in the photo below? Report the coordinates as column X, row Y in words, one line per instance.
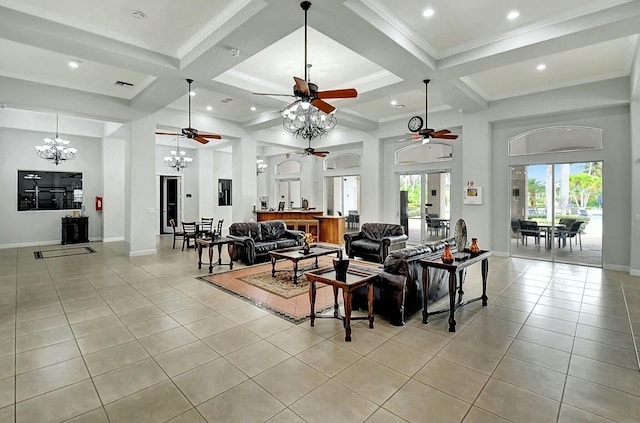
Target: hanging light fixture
column 56, row 150
column 261, row 166
column 178, row 159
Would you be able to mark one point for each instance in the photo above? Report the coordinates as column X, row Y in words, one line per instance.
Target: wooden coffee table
column 356, row 277
column 295, row 254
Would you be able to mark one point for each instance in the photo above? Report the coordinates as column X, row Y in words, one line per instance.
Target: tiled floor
column 108, row 338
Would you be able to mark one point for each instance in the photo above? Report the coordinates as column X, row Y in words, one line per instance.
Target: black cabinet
column 75, row 229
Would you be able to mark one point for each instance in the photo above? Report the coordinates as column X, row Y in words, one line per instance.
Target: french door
column 169, row 202
column 552, row 196
column 425, row 204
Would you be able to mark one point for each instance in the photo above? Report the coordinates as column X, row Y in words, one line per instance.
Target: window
column 432, row 152
column 556, row 139
column 224, row 192
column 49, row 190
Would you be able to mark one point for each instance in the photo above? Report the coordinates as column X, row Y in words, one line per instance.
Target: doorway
column 565, row 202
column 169, row 202
column 425, row 205
column 289, row 193
column 342, row 195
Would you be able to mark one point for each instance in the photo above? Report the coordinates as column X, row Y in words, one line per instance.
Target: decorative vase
column 341, row 267
column 474, row 249
column 447, row 257
column 305, row 248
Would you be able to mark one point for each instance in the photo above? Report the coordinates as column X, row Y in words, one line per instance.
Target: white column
column 634, row 257
column 371, row 186
column 206, row 190
column 140, row 188
column 476, row 167
column 244, row 181
column 113, row 194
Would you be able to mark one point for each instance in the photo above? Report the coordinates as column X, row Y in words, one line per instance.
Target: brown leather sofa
column 252, row 241
column 375, row 241
column 398, row 290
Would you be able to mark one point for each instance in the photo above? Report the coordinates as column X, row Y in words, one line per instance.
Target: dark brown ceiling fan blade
column 207, row 135
column 323, row 105
column 445, row 136
column 302, row 85
column 440, row 132
column 175, row 134
column 201, row 139
column 320, row 153
column 343, row 93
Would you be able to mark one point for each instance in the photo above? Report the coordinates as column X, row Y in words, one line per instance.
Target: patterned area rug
column 281, row 284
column 63, row 252
column 278, row 294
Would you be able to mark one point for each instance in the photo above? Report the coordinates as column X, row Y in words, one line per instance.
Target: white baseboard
column 142, row 252
column 616, row 267
column 30, row 244
column 113, row 239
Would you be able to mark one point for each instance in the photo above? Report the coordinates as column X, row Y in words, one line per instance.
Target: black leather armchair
column 375, row 241
column 252, row 241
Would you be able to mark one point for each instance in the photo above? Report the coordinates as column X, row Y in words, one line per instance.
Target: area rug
column 278, row 294
column 63, row 252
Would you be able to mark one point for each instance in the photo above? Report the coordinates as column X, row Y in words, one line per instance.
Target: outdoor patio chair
column 529, row 228
column 573, row 232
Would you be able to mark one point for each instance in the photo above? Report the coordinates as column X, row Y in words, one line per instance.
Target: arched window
column 288, row 167
column 431, row 152
column 342, row 161
column 556, row 139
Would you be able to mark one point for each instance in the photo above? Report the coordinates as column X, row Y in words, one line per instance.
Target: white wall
column 113, row 190
column 617, row 184
column 44, row 227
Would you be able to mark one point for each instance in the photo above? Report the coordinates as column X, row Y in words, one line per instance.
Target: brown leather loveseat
column 398, row 290
column 252, row 241
column 375, row 241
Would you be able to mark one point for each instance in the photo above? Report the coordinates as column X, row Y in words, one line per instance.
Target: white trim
column 143, row 252
column 30, row 244
column 113, row 239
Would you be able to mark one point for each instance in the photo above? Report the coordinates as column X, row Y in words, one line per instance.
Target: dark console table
column 75, row 229
column 453, row 268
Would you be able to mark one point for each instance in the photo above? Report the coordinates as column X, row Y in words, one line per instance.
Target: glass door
column 425, row 205
column 556, row 212
column 169, row 199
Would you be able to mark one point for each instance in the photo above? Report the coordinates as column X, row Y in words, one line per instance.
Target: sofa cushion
column 366, row 246
column 263, row 247
column 250, row 229
column 393, row 262
column 377, row 231
column 286, row 243
column 272, row 230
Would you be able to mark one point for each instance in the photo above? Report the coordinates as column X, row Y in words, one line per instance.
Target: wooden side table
column 457, row 267
column 210, row 243
column 354, row 280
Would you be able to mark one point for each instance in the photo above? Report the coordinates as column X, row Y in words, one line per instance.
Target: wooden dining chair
column 189, row 232
column 176, row 234
column 217, row 233
column 206, row 226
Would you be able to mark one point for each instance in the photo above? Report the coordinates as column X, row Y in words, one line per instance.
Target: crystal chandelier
column 56, row 150
column 261, row 166
column 178, row 159
column 307, row 121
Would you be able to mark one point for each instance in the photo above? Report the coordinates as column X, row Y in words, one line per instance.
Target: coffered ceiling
column 383, row 48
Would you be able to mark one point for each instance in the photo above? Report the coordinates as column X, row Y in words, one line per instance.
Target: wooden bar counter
column 263, row 215
column 331, row 229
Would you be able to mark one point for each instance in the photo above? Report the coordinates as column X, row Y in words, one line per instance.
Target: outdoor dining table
column 549, row 228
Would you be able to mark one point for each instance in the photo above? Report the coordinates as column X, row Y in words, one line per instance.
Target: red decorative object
column 474, row 249
column 447, row 257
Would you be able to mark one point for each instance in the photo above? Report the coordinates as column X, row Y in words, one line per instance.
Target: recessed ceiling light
column 138, row 14
column 394, row 102
column 514, row 14
column 541, row 67
column 428, row 12
column 74, row 64
column 192, row 93
column 209, row 108
column 253, row 108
